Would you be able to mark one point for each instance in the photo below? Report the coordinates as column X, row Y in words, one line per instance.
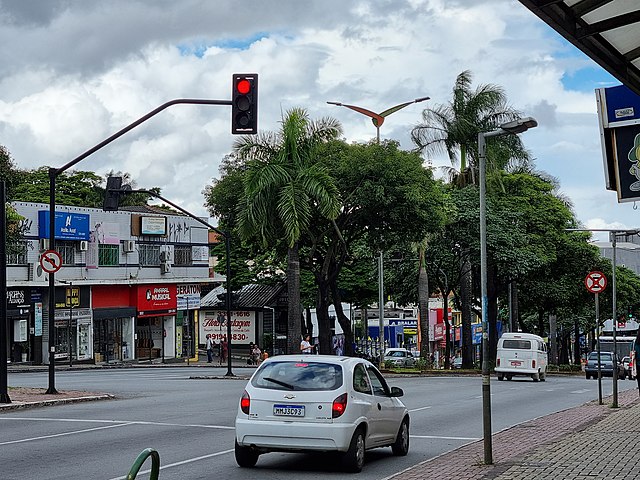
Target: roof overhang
column 605, row 30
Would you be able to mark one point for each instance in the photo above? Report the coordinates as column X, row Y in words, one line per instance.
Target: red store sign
column 152, row 300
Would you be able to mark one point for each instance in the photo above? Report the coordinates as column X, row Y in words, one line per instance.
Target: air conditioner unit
column 83, row 246
column 37, row 274
column 43, row 244
column 165, row 268
column 129, row 246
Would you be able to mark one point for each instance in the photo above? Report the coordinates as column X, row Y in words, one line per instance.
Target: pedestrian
column 305, row 345
column 209, row 349
column 255, row 354
column 636, row 357
column 223, row 350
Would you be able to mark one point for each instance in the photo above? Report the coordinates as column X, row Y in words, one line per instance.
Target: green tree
column 283, row 185
column 453, row 129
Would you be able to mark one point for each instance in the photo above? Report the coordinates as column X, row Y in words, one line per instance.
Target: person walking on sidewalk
column 209, row 349
column 636, row 358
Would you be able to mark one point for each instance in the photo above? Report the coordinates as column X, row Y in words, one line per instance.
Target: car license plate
column 516, row 363
column 288, row 410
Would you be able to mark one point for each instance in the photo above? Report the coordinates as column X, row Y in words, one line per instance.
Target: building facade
column 128, row 285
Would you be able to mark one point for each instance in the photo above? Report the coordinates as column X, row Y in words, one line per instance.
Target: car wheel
column 588, row 376
column 246, row 457
column 401, row 446
column 354, row 457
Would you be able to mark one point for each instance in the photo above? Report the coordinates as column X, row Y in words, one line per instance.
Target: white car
column 400, row 357
column 319, row 403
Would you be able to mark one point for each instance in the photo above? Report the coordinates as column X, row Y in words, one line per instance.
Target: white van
column 521, row 354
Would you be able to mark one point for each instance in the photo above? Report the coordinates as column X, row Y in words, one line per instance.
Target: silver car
column 399, row 357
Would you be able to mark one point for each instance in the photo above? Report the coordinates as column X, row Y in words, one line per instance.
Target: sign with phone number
column 243, row 328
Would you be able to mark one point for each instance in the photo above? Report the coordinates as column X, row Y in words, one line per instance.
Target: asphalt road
column 189, row 421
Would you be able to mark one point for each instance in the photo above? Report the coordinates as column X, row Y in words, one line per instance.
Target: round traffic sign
column 595, row 282
column 51, row 261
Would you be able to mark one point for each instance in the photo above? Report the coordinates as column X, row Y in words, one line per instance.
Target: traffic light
column 111, row 197
column 244, row 104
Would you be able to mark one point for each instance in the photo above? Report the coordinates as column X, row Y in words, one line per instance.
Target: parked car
column 606, row 365
column 319, row 403
column 457, row 362
column 400, row 357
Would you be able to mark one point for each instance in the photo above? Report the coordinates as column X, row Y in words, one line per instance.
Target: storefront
column 113, row 321
column 188, row 305
column 72, row 323
column 155, row 330
column 20, row 325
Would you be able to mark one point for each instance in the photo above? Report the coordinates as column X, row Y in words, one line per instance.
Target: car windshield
column 298, row 376
column 397, row 353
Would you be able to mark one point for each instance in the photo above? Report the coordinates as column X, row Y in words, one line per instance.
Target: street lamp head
column 421, row 99
column 519, row 125
column 335, row 103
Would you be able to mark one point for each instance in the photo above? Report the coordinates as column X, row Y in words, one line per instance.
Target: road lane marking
column 418, row 409
column 75, row 432
column 183, row 462
column 128, row 422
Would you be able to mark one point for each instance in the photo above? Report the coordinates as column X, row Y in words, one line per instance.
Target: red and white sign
column 156, row 299
column 51, row 261
column 595, row 282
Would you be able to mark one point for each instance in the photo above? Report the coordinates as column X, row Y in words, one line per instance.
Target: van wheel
column 500, row 377
column 543, row 376
column 354, row 457
column 588, row 376
column 536, row 377
column 509, row 377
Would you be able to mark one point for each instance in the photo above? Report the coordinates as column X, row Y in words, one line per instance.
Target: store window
column 108, row 255
column 149, row 254
column 182, row 255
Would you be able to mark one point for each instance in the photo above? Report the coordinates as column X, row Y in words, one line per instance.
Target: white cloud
column 87, row 69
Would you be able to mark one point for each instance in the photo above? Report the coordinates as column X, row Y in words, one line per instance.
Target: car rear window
column 298, row 376
column 396, row 353
column 603, row 355
column 517, row 344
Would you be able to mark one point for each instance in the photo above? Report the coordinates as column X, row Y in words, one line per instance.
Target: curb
column 60, row 401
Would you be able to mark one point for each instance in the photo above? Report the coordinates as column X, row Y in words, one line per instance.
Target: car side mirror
column 396, row 392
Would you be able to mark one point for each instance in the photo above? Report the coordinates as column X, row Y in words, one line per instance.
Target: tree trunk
column 553, row 340
column 492, row 313
column 322, row 314
column 343, row 320
column 465, row 307
column 294, row 314
column 515, row 326
column 423, row 307
column 576, row 344
column 447, row 324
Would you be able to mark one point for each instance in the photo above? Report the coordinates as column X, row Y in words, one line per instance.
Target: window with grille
column 182, row 255
column 108, row 255
column 149, row 254
column 17, row 253
column 67, row 251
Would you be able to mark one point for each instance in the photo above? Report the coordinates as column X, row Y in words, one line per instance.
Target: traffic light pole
column 53, row 174
column 227, row 245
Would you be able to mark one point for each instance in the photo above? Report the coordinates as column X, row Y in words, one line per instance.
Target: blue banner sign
column 68, row 226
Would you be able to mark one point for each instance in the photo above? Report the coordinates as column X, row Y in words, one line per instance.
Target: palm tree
column 284, row 184
column 453, row 129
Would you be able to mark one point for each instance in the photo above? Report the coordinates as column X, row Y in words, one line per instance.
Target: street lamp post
column 514, row 127
column 273, row 330
column 378, row 119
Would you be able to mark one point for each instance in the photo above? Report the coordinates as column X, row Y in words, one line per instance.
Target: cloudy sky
column 72, row 73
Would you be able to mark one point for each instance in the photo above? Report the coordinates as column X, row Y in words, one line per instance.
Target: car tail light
column 245, row 403
column 533, row 364
column 498, row 363
column 339, row 406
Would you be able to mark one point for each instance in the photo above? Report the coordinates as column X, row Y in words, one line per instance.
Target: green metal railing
column 155, row 464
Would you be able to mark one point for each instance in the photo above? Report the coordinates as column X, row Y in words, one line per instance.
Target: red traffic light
column 243, row 86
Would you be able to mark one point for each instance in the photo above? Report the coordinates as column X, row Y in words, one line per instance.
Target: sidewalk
column 587, row 442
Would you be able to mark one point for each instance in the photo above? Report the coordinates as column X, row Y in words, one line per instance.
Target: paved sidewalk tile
column 587, row 442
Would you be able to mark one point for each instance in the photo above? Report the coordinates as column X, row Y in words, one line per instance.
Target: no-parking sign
column 595, row 282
